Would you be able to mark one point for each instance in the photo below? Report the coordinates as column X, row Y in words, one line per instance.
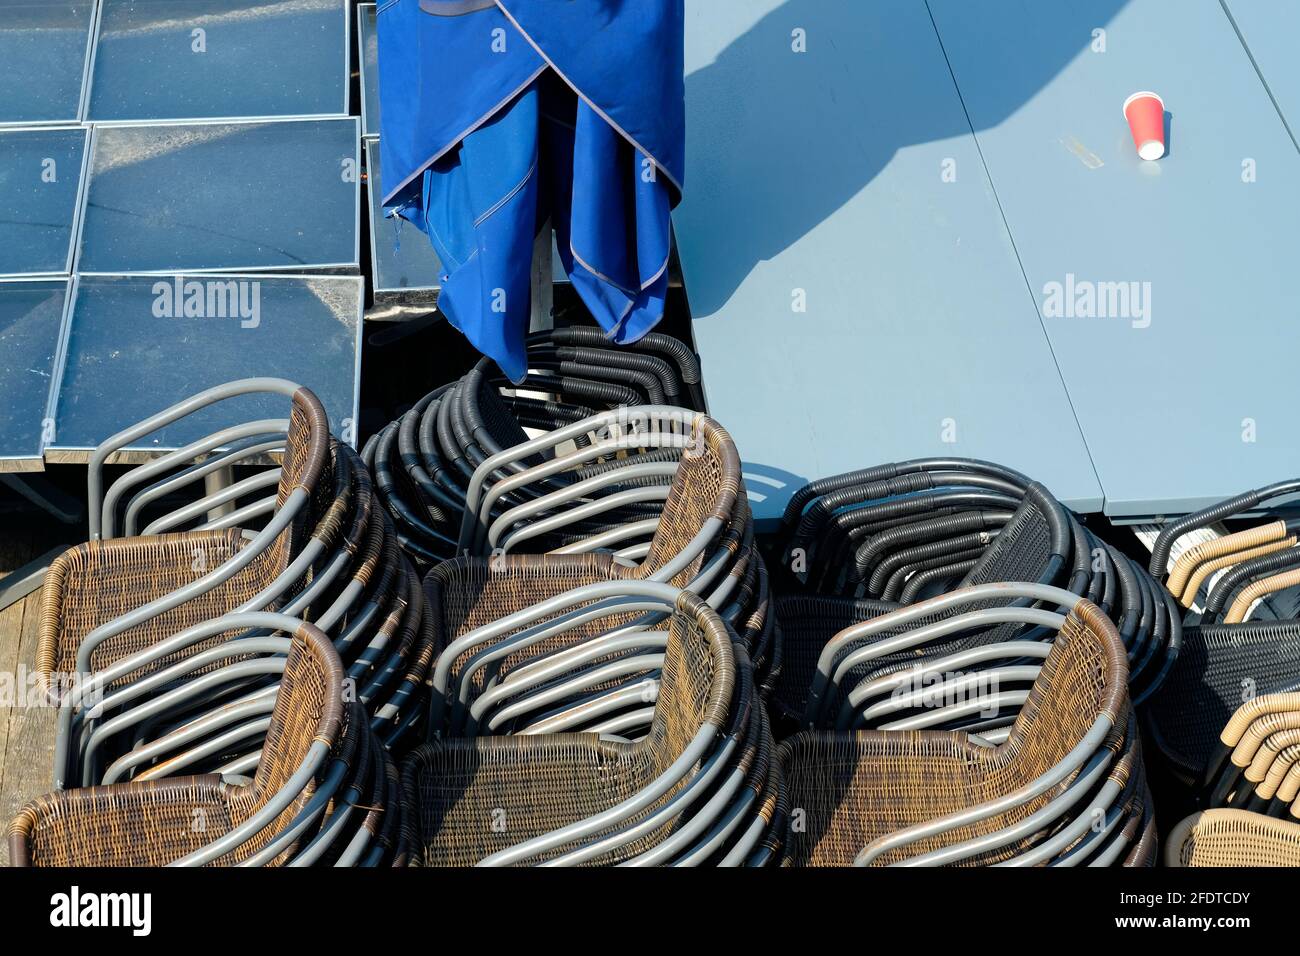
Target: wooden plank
column 14, row 552
column 26, row 732
column 29, row 754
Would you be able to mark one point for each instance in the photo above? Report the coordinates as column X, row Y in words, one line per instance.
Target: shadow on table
column 778, row 140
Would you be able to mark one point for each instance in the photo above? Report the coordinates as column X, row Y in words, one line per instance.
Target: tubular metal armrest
column 267, row 814
column 559, row 465
column 310, row 812
column 1082, row 752
column 981, row 705
column 196, row 509
column 94, row 478
column 1005, row 650
column 696, row 786
column 530, row 636
column 1044, row 816
column 663, row 595
column 164, row 702
column 217, row 744
column 945, row 628
column 69, row 704
column 633, row 529
column 527, row 677
column 193, row 473
column 241, row 516
column 956, row 685
column 624, row 667
column 549, row 501
column 295, row 503
column 850, row 636
column 578, row 716
column 700, row 746
column 165, row 463
column 647, row 414
column 582, row 512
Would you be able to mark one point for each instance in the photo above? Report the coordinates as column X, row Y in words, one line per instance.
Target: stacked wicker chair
column 702, row 539
column 565, row 361
column 318, row 795
column 901, row 531
column 691, row 782
column 1239, row 593
column 423, row 461
column 536, row 648
column 171, row 647
column 1215, row 838
column 1255, row 764
column 861, row 544
column 1062, row 785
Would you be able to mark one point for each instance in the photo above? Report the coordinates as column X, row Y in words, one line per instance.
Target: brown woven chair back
column 706, row 485
column 846, row 790
column 152, row 823
column 1228, row 837
column 309, row 707
column 306, row 455
column 455, row 789
column 75, row 601
column 467, row 593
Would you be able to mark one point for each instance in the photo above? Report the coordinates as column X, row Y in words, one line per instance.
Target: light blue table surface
column 823, row 171
column 1196, row 399
column 1271, row 31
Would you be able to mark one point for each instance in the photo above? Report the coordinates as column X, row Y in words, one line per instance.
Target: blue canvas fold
column 497, row 118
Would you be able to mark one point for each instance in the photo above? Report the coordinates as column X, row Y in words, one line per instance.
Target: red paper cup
column 1145, row 113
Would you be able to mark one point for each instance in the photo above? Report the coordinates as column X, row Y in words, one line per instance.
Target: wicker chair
column 132, row 656
column 883, row 797
column 154, row 822
column 899, row 532
column 112, row 596
column 468, row 594
column 218, row 689
column 1256, row 764
column 1258, row 562
column 342, row 576
column 1215, row 838
column 873, row 528
column 704, row 537
column 670, row 797
column 423, row 461
column 1219, row 666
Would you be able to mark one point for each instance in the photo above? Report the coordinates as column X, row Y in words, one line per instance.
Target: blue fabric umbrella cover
column 499, row 116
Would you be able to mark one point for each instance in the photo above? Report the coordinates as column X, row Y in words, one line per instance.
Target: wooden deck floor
column 26, row 732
